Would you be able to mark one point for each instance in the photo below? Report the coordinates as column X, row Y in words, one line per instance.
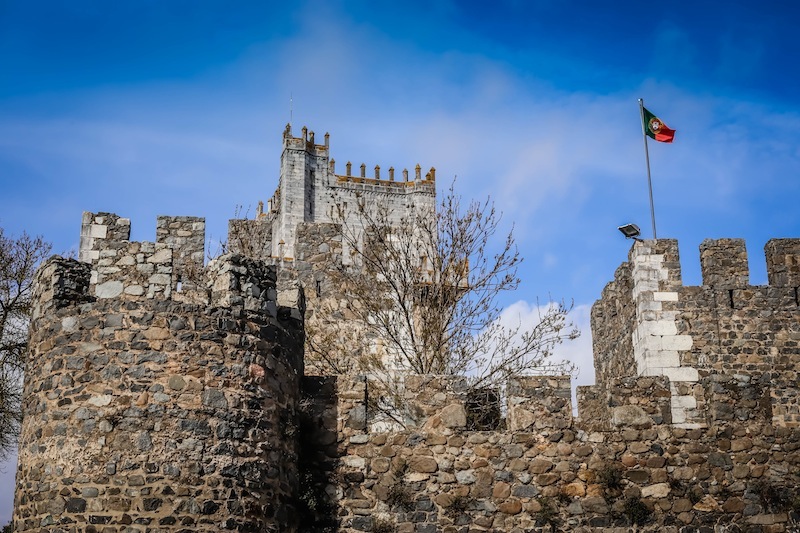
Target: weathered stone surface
column 422, row 463
column 630, row 416
column 454, row 416
column 109, row 289
column 659, row 490
column 124, row 441
column 153, row 406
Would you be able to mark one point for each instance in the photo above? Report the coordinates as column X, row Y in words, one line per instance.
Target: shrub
column 636, row 511
column 610, row 477
column 400, row 496
column 458, row 506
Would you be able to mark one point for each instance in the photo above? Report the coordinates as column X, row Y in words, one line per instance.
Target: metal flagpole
column 647, row 158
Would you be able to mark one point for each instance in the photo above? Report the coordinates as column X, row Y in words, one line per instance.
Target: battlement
column 624, row 450
column 155, row 376
column 311, row 191
column 648, row 323
column 169, row 269
column 150, row 269
column 305, row 142
column 142, row 400
column 445, row 404
column 426, row 184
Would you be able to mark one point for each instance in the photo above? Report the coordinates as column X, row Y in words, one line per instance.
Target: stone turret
column 147, row 410
column 309, row 191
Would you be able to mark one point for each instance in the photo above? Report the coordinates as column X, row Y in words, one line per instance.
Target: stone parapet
column 726, row 326
column 539, row 403
column 97, row 228
column 144, row 412
column 639, row 471
column 783, row 262
column 723, row 263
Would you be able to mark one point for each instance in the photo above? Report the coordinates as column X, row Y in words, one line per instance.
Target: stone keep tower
column 158, row 396
column 311, row 192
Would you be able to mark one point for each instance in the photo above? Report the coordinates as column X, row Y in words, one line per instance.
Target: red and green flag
column 656, row 129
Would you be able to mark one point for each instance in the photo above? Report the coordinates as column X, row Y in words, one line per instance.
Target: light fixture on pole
column 631, row 231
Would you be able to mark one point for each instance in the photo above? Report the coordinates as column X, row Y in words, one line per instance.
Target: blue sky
column 151, row 107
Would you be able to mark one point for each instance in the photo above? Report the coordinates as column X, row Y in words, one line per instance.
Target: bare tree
column 424, row 287
column 18, row 261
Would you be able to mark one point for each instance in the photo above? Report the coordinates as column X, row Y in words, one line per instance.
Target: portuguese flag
column 656, row 129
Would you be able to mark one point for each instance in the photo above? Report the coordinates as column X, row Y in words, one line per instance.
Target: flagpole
column 649, row 180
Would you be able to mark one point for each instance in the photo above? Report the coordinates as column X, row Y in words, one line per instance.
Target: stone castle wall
column 149, row 412
column 648, row 323
column 165, row 396
column 546, row 469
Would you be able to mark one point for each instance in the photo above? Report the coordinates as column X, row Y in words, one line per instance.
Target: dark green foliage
column 548, row 514
column 636, row 511
column 458, row 506
column 610, row 477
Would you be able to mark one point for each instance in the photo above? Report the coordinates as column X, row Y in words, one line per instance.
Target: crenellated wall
column 146, row 412
column 725, row 326
column 546, row 469
column 162, row 395
column 310, row 191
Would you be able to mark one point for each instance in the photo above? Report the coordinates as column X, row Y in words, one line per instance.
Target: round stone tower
column 151, row 409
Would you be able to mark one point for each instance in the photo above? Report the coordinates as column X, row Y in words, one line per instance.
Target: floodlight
column 631, row 231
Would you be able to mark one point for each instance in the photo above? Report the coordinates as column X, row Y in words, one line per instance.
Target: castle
column 162, row 395
column 310, row 192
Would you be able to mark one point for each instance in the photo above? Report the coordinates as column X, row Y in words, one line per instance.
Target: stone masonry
column 310, row 191
column 149, row 408
column 164, row 395
column 149, row 412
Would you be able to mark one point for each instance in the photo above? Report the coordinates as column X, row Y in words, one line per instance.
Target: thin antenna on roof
column 291, row 108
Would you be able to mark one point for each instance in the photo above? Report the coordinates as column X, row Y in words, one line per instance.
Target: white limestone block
column 100, row 401
column 162, row 256
column 676, row 342
column 682, row 373
column 134, row 290
column 659, row 327
column 98, row 231
column 665, row 296
column 160, row 279
column 109, row 289
column 684, row 402
column 678, row 416
column 661, row 358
